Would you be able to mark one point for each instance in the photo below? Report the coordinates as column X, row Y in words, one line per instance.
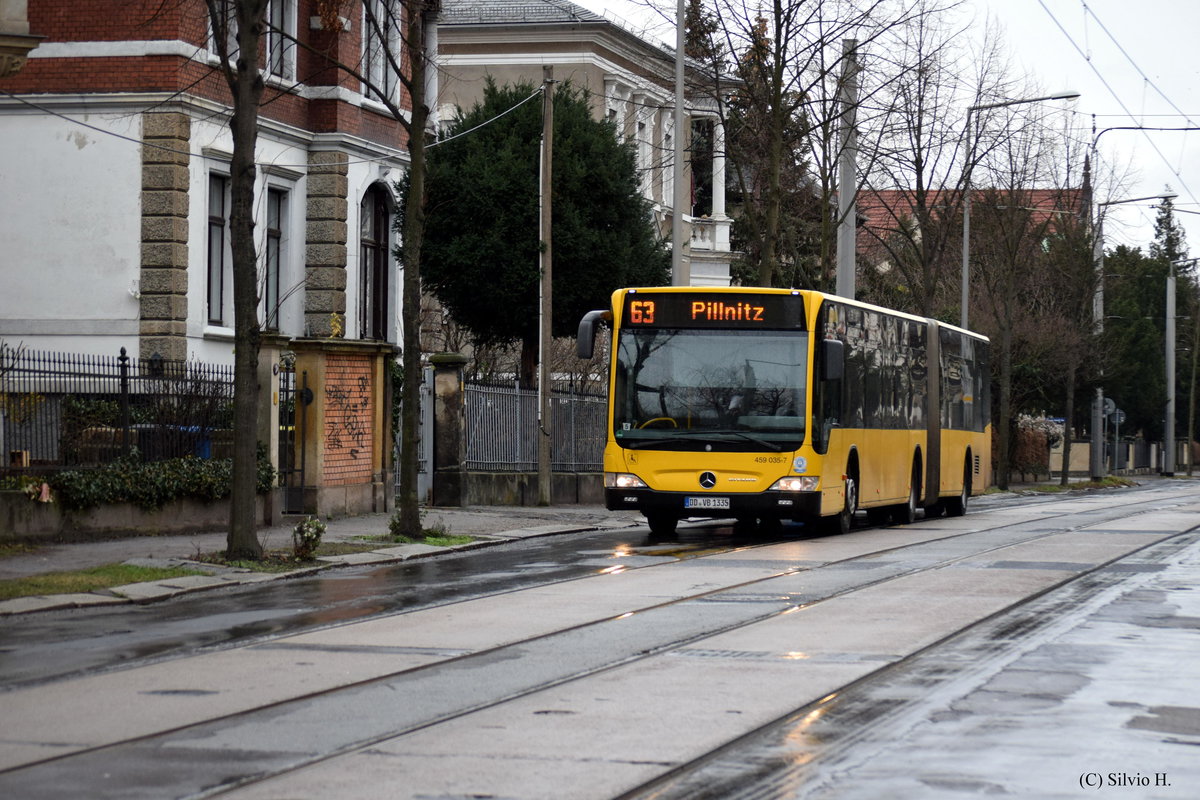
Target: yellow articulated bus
column 763, row 405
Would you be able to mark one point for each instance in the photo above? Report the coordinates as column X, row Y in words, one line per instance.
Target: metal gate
column 425, row 448
column 291, row 437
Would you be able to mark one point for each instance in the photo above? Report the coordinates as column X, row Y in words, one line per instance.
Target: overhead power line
column 1115, row 96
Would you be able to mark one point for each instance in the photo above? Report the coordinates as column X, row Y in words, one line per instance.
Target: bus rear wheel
column 906, row 512
column 957, row 506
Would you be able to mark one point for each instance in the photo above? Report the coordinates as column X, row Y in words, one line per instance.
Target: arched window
column 375, row 260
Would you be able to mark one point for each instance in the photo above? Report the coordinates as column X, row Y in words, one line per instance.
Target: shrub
column 306, row 538
column 150, row 485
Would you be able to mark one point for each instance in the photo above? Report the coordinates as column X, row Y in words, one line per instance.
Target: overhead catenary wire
column 1086, row 57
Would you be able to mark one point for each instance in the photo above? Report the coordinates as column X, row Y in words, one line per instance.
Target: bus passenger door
column 830, row 367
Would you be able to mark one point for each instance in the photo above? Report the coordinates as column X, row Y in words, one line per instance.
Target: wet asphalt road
column 50, row 645
column 1057, row 698
column 810, row 751
column 44, row 646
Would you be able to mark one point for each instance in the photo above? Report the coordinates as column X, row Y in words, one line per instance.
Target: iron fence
column 60, row 410
column 502, row 430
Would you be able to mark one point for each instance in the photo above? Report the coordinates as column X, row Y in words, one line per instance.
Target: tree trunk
column 768, row 268
column 247, row 86
column 408, row 502
column 529, row 361
column 1005, row 422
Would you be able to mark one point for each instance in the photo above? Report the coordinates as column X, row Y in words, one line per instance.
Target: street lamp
column 966, row 242
column 1098, row 250
column 1096, row 460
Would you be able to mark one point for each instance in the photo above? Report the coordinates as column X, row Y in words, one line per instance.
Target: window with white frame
column 381, row 47
column 375, row 257
column 280, row 38
column 224, row 28
column 278, row 35
column 668, row 169
column 644, row 155
column 218, row 246
column 275, row 257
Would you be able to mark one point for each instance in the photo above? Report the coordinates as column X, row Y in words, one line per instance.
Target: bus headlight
column 623, row 480
column 808, row 483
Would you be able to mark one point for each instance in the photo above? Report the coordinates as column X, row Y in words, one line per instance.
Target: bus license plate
column 706, row 502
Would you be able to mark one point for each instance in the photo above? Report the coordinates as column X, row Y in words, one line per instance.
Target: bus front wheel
column 662, row 524
column 842, row 521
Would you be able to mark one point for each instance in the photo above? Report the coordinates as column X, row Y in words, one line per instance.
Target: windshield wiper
column 638, row 444
column 717, row 436
column 772, row 446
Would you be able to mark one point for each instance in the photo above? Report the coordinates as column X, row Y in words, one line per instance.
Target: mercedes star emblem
column 708, row 480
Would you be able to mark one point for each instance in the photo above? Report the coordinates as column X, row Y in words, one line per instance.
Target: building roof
column 507, row 12
column 882, row 209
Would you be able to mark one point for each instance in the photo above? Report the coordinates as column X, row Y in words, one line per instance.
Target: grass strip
column 432, row 539
column 87, row 580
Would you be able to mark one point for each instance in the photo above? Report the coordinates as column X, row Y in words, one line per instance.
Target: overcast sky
column 1134, row 63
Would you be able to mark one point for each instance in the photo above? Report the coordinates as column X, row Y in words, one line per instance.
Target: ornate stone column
column 15, row 40
column 718, row 184
column 163, row 281
column 325, row 253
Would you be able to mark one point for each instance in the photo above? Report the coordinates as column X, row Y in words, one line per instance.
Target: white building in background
column 114, row 172
column 631, row 82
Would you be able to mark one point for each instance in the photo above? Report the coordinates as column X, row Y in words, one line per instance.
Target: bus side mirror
column 833, row 360
column 585, row 341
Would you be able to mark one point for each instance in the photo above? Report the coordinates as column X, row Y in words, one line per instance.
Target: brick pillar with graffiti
column 346, row 444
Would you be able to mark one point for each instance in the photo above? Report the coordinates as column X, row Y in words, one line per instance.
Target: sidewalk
column 489, row 524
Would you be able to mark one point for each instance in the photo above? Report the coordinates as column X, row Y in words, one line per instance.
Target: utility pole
column 847, row 180
column 545, row 305
column 1191, row 428
column 1169, row 420
column 1096, row 456
column 680, row 272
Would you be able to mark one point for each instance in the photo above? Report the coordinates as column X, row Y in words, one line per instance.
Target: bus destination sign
column 713, row 310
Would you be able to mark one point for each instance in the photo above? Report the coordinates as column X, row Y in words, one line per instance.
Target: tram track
column 818, row 746
column 600, row 645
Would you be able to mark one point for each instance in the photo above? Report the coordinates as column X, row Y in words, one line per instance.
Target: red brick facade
column 145, row 64
column 349, row 420
column 185, row 23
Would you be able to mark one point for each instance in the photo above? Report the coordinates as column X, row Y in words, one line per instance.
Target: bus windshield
column 697, row 389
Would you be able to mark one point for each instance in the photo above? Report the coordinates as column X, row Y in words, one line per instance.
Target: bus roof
column 798, row 292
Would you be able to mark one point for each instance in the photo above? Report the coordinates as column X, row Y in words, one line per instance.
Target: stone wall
column 22, row 519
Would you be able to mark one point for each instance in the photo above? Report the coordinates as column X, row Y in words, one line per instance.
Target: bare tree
column 780, row 66
column 916, row 187
column 408, row 19
column 1015, row 219
column 237, row 27
column 400, row 28
column 399, row 31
